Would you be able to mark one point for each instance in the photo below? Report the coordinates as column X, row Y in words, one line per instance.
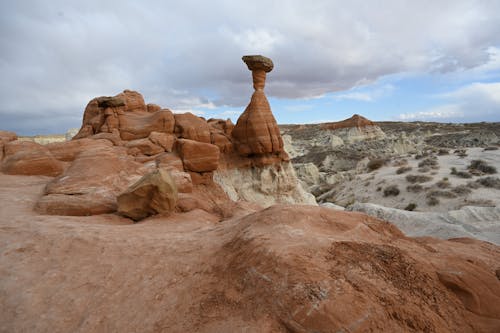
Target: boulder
column 139, row 125
column 29, row 158
column 198, row 156
column 189, row 126
column 145, row 146
column 154, row 193
column 68, row 150
column 164, row 140
column 153, row 108
column 256, row 131
column 170, row 161
column 7, row 136
column 91, row 183
column 133, row 101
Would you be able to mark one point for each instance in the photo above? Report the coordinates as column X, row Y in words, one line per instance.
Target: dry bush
column 414, row 188
column 461, row 190
column 461, row 152
column 481, row 167
column 443, row 151
column 430, row 162
column 376, row 164
column 442, row 194
column 391, row 190
column 492, row 182
column 445, row 183
column 490, row 148
column 421, row 155
column 424, row 169
column 403, row 169
column 418, row 178
column 400, row 162
column 432, row 201
column 411, row 206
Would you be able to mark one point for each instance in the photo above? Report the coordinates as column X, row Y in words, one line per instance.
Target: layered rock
column 198, row 156
column 154, row 193
column 256, row 131
column 29, row 158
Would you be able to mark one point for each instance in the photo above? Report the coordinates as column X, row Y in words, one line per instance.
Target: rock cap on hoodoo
column 256, row 62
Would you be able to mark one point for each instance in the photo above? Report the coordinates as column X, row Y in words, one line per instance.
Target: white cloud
column 474, row 102
column 366, row 94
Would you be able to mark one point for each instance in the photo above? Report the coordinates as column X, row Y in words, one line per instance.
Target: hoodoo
column 256, row 131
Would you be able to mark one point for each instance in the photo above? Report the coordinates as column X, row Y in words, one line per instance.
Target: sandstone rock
column 164, row 140
column 170, row 161
column 29, row 158
column 145, row 146
column 140, row 124
column 153, row 108
column 7, row 136
column 224, row 126
column 189, row 126
column 154, row 193
column 256, row 131
column 114, row 138
column 222, row 141
column 182, row 180
column 91, row 183
column 133, row 101
column 197, row 156
column 68, row 150
column 258, row 62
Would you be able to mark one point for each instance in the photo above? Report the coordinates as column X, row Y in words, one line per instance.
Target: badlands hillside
column 149, row 221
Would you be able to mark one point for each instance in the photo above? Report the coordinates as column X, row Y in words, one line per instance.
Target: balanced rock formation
column 154, row 193
column 256, row 131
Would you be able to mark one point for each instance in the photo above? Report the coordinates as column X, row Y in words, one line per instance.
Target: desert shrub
column 432, row 201
column 473, row 185
column 442, row 194
column 376, row 164
column 400, row 162
column 461, row 152
column 424, row 169
column 414, row 188
column 443, row 151
column 490, row 148
column 391, row 190
column 429, row 162
column 481, row 167
column 461, row 190
column 403, row 169
column 411, row 206
column 493, row 182
column 418, row 178
column 445, row 183
column 421, row 155
column 379, row 189
column 453, row 170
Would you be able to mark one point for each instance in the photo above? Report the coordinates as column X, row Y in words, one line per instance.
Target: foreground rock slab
column 154, row 193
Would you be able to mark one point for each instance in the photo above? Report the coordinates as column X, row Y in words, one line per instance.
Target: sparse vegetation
column 432, row 201
column 421, row 155
column 490, row 148
column 403, row 169
column 414, row 188
column 418, row 178
column 424, row 169
column 461, row 152
column 379, row 189
column 400, row 162
column 461, row 190
column 442, row 194
column 444, row 183
column 461, row 174
column 480, row 167
column 376, row 164
column 411, row 206
column 429, row 162
column 492, row 182
column 391, row 190
column 443, row 151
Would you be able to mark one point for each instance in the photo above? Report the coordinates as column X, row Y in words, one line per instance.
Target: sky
column 386, row 60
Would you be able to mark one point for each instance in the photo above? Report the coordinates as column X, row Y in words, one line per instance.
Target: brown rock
column 256, row 131
column 197, row 156
column 91, row 183
column 114, row 137
column 170, row 161
column 164, row 140
column 140, row 124
column 258, row 62
column 7, row 136
column 182, row 180
column 189, row 126
column 29, row 158
column 355, row 121
column 223, row 126
column 222, row 141
column 154, row 193
column 153, row 108
column 67, row 151
column 145, row 146
column 133, row 101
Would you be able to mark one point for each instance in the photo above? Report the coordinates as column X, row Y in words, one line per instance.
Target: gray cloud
column 57, row 55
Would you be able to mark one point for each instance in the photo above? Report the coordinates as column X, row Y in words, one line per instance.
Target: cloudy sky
column 387, row 60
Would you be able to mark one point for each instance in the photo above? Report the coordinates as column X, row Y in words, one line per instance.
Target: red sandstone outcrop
column 29, row 158
column 6, row 136
column 67, row 151
column 256, row 131
column 355, row 121
column 154, row 193
column 189, row 126
column 92, row 182
column 198, row 156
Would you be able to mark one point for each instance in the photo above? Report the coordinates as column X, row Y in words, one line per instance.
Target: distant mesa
column 355, row 121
